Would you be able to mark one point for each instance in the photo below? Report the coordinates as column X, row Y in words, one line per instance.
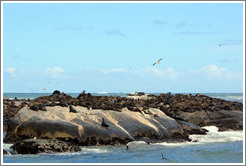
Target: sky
column 111, row 47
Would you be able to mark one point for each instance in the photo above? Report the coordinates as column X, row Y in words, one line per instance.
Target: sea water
column 225, row 96
column 215, row 147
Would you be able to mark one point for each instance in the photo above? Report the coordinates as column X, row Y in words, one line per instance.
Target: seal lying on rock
column 103, row 123
column 71, row 109
column 176, row 117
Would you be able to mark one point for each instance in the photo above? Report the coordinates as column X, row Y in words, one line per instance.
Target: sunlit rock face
column 112, row 120
column 85, row 126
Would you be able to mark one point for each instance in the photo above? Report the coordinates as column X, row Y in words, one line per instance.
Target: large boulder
column 34, row 146
column 223, row 119
column 85, row 127
column 190, row 128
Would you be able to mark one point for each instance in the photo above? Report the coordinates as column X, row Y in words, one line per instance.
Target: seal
column 163, row 157
column 42, row 107
column 71, row 109
column 176, row 117
column 103, row 123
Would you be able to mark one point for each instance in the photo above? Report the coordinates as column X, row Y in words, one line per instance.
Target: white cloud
column 114, row 70
column 169, row 72
column 212, row 72
column 56, row 72
column 11, row 71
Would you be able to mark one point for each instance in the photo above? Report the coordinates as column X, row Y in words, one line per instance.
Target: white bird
column 158, row 62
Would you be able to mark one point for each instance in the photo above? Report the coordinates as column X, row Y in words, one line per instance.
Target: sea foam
column 214, row 135
column 93, row 150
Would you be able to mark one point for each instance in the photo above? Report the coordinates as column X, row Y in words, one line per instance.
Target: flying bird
column 44, row 89
column 158, row 62
column 220, row 45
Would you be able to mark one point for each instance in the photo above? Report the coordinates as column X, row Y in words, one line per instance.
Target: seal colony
column 112, row 120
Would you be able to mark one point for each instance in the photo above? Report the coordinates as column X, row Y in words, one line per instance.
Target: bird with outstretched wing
column 158, row 62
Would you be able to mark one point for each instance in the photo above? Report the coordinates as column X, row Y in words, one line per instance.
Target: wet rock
column 35, row 146
column 190, row 128
column 6, row 152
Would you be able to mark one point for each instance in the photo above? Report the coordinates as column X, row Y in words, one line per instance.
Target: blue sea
column 225, row 96
column 215, row 147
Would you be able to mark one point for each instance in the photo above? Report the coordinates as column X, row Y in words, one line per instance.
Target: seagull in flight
column 220, row 45
column 158, row 62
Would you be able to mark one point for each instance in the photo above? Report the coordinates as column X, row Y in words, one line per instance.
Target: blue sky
column 110, row 47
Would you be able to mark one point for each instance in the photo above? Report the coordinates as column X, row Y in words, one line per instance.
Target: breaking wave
column 215, row 136
column 93, row 150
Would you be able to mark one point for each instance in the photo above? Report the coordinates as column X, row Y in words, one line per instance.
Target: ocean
column 225, row 96
column 215, row 147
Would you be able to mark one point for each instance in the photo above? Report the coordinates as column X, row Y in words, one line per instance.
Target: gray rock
column 85, row 127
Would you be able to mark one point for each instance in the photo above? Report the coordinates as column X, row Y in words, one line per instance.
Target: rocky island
column 61, row 123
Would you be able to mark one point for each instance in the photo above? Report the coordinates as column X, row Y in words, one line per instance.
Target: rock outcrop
column 112, row 120
column 85, row 126
column 35, row 146
column 10, row 108
column 5, row 152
